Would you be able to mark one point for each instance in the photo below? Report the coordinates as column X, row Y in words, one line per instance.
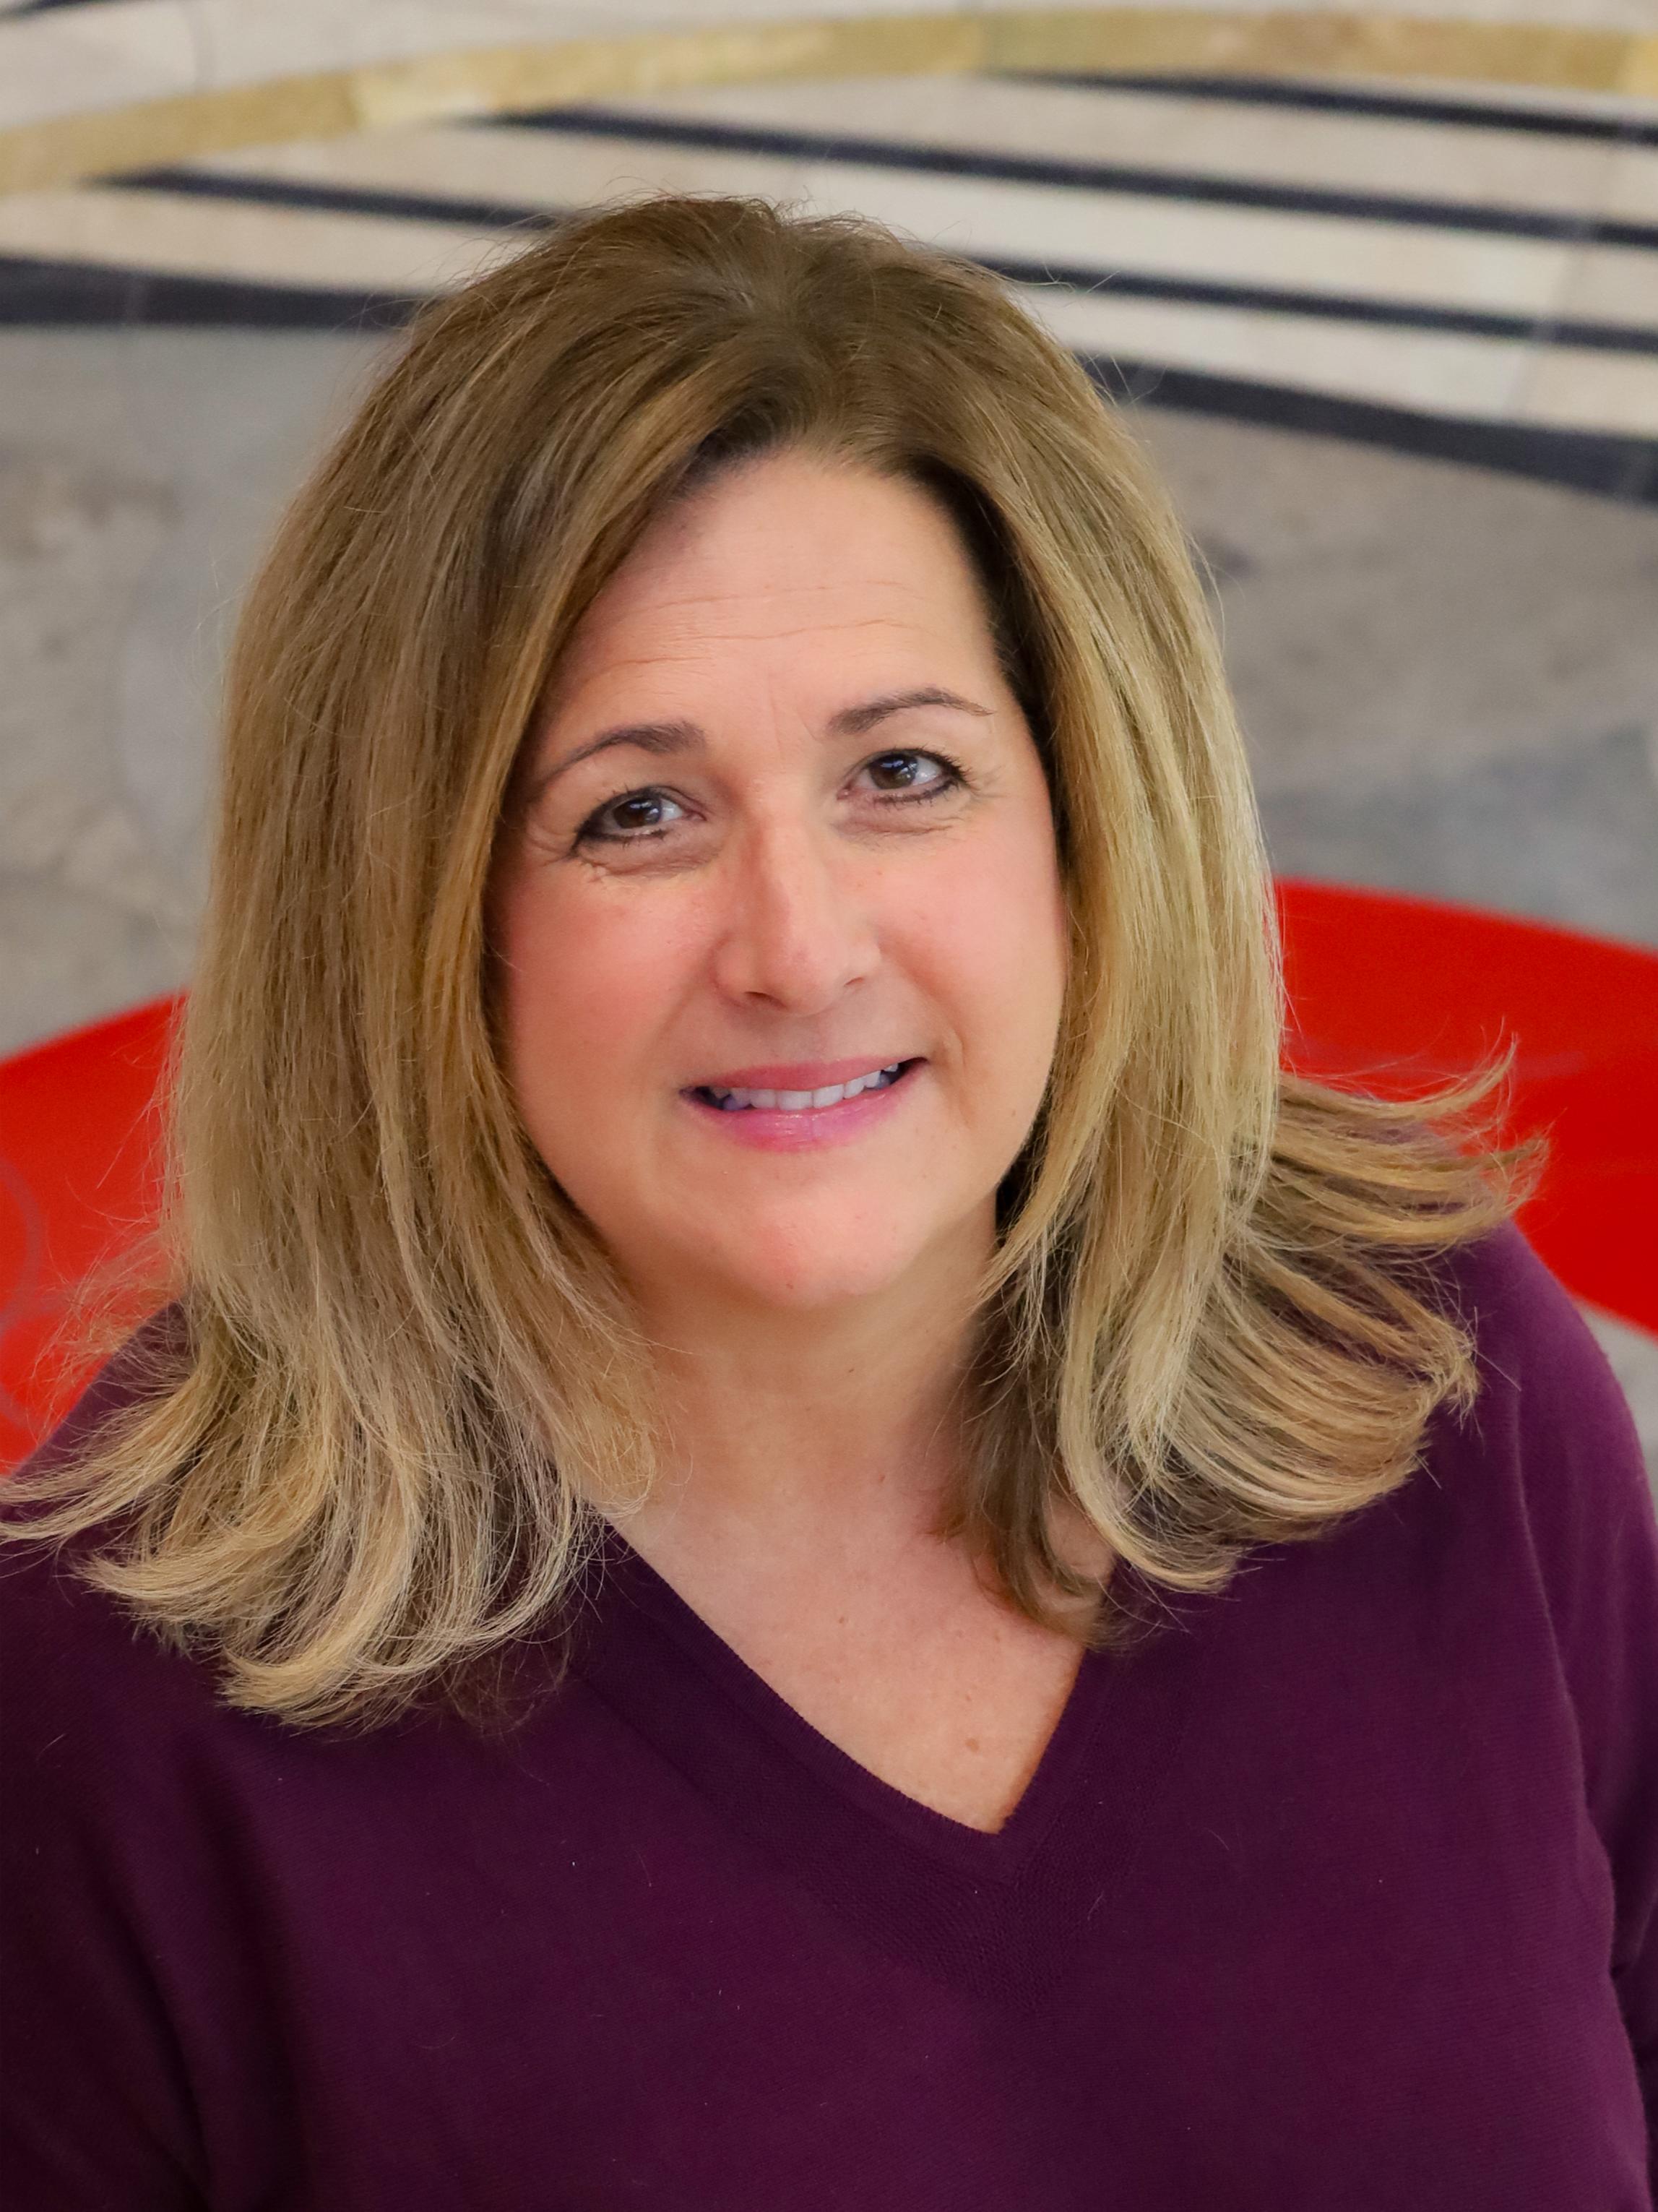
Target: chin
column 802, row 1274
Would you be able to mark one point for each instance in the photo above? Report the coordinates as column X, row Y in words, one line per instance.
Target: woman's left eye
column 904, row 775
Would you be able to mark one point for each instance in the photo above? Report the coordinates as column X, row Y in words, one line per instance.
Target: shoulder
column 1527, row 1330
column 1550, row 1414
column 1544, row 1482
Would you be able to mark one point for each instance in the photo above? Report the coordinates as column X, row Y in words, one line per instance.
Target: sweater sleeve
column 1548, row 1388
column 95, row 2112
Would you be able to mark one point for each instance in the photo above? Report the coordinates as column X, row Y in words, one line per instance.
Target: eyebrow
column 681, row 737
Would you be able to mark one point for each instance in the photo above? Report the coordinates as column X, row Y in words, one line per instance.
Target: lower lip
column 768, row 1130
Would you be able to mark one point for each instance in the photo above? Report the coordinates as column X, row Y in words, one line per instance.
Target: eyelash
column 953, row 779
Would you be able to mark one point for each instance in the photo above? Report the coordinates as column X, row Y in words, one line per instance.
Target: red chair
column 1396, row 994
column 80, row 1161
column 1391, row 992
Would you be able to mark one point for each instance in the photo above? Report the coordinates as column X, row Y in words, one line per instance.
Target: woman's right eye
column 631, row 819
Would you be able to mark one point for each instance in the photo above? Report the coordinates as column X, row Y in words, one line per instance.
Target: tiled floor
column 1397, row 353
column 1414, row 259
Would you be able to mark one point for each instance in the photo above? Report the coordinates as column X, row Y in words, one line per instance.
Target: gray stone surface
column 1570, row 835
column 1449, row 678
column 139, row 472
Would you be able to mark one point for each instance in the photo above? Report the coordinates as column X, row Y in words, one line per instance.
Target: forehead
column 782, row 553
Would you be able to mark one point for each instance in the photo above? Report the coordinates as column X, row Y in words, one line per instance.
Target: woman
column 699, row 1599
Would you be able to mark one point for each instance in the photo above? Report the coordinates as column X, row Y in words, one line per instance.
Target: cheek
column 994, row 926
column 585, row 985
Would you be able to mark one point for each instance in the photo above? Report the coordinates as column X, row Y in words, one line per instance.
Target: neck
column 815, row 1432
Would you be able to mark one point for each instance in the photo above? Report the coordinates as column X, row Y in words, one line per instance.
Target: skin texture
column 796, row 906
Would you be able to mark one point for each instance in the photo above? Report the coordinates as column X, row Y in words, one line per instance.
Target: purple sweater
column 1341, row 1894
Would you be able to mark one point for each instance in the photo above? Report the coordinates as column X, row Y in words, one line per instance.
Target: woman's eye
column 636, row 815
column 912, row 774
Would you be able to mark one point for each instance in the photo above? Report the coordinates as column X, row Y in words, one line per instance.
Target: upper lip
column 797, row 1075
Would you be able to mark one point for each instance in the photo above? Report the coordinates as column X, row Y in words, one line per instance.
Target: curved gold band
column 484, row 80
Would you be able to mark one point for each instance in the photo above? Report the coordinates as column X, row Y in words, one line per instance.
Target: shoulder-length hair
column 407, row 1387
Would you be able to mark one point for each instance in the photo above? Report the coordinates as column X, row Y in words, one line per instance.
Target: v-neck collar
column 997, row 1911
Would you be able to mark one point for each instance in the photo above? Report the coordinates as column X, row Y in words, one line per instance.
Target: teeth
column 797, row 1102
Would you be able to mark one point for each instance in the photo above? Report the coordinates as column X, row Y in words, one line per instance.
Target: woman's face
column 784, row 833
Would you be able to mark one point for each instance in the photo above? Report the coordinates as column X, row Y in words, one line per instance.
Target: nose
column 796, row 930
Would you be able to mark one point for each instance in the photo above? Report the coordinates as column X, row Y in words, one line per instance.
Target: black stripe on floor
column 1604, row 463
column 1354, row 100
column 336, row 200
column 1331, row 308
column 45, row 294
column 40, row 294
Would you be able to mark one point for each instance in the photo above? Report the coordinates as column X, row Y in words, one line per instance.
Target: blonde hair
column 405, row 1382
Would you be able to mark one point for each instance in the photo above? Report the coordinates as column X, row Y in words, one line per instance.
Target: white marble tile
column 1612, row 284
column 69, row 60
column 1572, row 389
column 1631, row 194
column 1212, row 137
column 177, row 236
column 250, row 43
